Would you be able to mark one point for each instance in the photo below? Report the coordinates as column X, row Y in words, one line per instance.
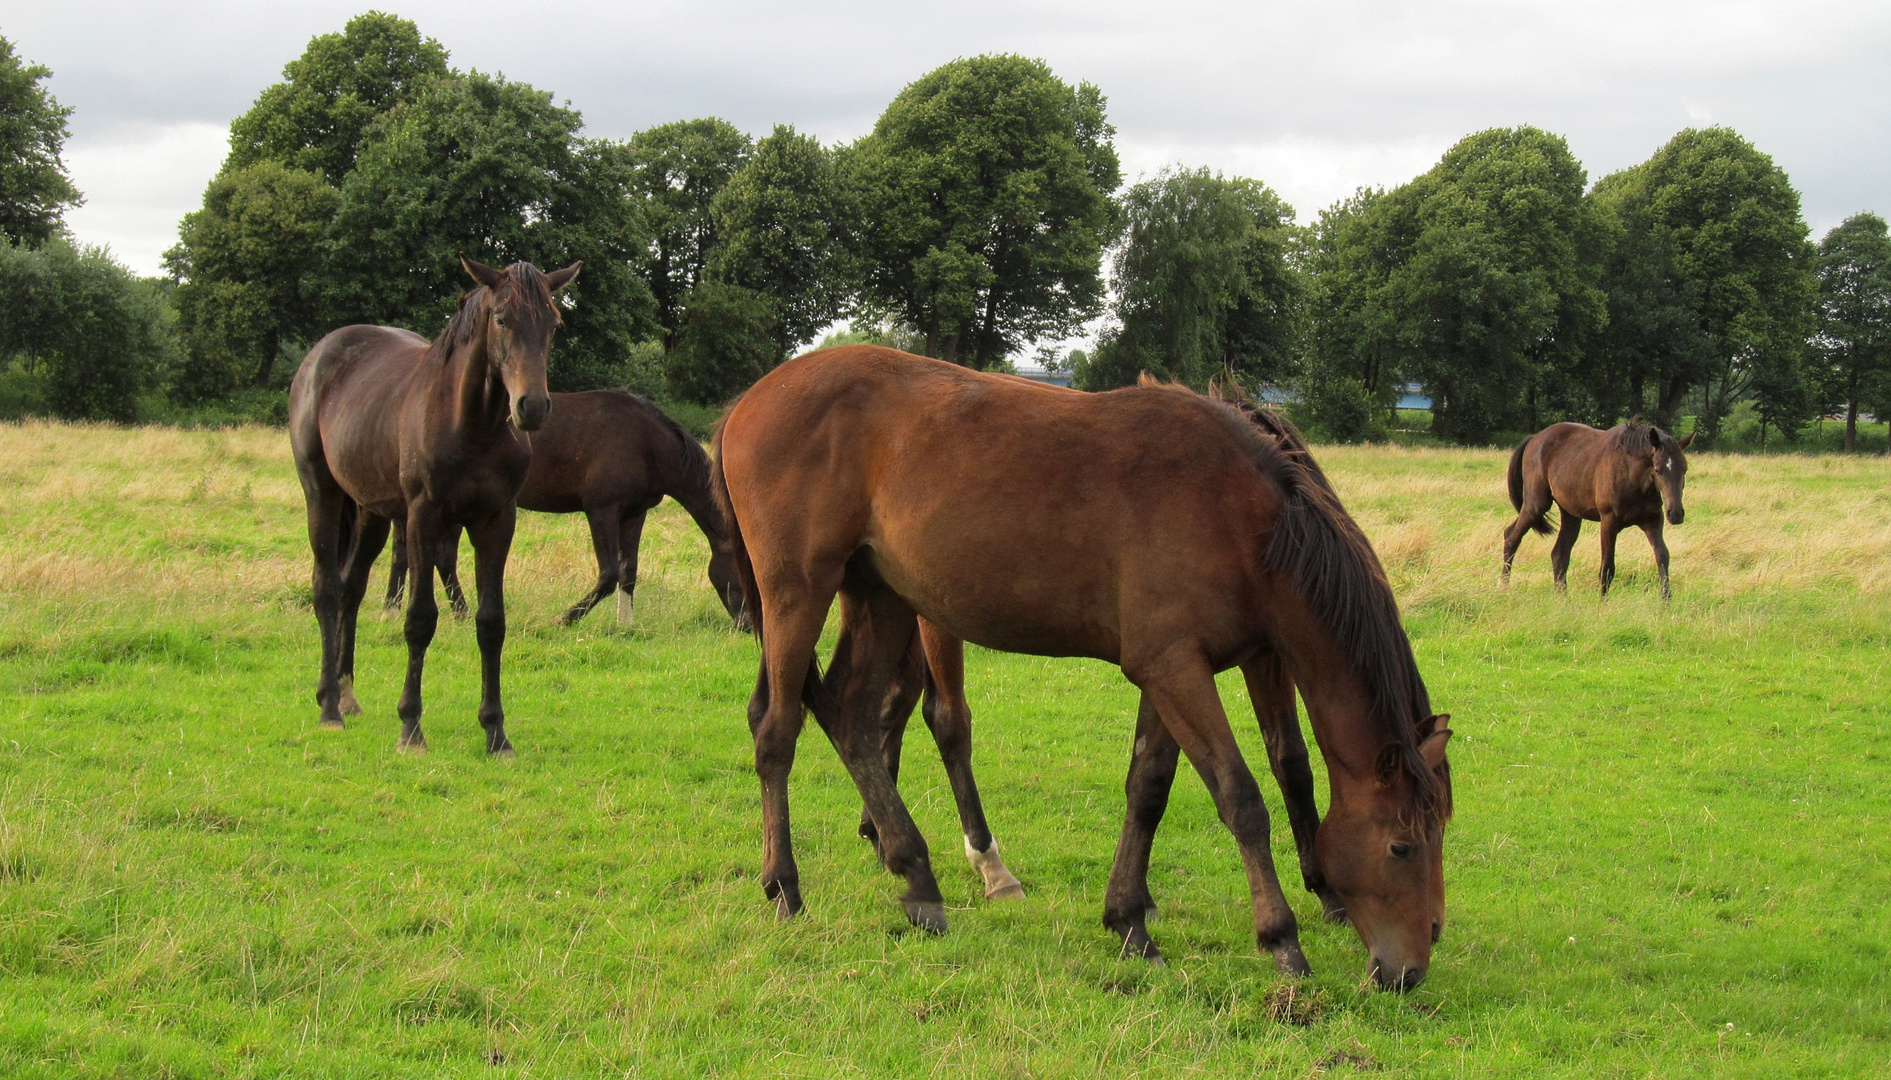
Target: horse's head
column 520, row 321
column 1667, row 458
column 1381, row 851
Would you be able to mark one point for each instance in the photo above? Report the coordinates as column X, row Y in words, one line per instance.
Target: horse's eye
column 1401, row 851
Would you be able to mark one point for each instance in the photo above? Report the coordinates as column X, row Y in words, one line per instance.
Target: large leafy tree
column 1354, row 355
column 1477, row 279
column 497, row 170
column 1204, row 283
column 34, row 188
column 678, row 170
column 984, row 202
column 242, row 264
column 1712, row 281
column 93, row 334
column 1854, row 273
column 782, row 224
column 315, row 118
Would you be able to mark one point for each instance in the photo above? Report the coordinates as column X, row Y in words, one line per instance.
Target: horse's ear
column 1433, row 748
column 481, row 273
column 1688, row 439
column 558, row 279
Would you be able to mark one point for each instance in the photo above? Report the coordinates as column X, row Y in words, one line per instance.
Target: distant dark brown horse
column 613, row 457
column 1149, row 527
column 1618, row 477
column 385, row 427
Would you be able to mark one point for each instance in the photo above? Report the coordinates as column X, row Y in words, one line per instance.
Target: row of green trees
column 1513, row 293
column 972, row 222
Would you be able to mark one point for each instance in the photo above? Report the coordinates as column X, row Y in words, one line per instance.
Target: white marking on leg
column 624, row 604
column 1000, row 883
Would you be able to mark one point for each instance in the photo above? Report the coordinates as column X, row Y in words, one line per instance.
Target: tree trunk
column 949, row 351
column 1672, row 395
column 1851, row 411
column 272, row 344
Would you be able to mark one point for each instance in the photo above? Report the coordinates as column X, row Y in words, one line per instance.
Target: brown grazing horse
column 612, row 456
column 1619, row 477
column 1150, row 527
column 386, row 427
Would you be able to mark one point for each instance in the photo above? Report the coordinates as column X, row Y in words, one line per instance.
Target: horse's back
column 1012, row 514
column 599, row 448
column 344, row 407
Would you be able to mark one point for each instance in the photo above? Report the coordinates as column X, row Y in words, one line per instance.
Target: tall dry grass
column 155, row 516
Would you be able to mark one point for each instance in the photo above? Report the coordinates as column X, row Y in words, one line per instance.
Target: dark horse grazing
column 1150, row 527
column 612, row 456
column 1618, row 477
column 386, row 427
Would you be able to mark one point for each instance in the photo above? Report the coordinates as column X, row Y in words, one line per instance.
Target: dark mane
column 523, row 282
column 1319, row 547
column 1637, row 438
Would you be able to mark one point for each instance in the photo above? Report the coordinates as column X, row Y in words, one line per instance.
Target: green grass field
column 1670, row 856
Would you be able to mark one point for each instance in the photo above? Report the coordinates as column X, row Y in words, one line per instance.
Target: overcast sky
column 1314, row 99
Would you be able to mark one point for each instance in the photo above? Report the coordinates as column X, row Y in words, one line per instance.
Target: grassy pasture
column 1670, row 855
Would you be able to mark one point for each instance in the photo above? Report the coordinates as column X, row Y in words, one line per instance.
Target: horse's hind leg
column 1661, row 556
column 447, row 560
column 423, row 616
column 795, row 612
column 1183, row 689
column 604, row 543
column 492, row 542
column 397, row 574
column 1271, row 692
column 949, row 716
column 326, row 510
column 1127, row 905
column 877, row 629
column 1569, row 526
column 370, row 535
column 629, row 540
column 909, row 682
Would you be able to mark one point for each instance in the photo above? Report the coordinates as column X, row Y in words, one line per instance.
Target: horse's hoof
column 504, row 753
column 928, row 915
column 1289, row 960
column 1012, row 891
column 335, row 724
column 786, row 908
column 416, row 745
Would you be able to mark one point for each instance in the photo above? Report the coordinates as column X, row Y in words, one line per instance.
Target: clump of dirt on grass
column 1292, row 1003
column 1355, row 1055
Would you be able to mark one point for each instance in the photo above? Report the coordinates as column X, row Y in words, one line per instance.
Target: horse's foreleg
column 1182, row 686
column 1127, row 904
column 1569, row 526
column 630, row 538
column 447, row 560
column 1610, row 527
column 604, row 541
column 949, row 716
column 492, row 542
column 423, row 615
column 370, row 535
column 1661, row 556
column 1271, row 692
column 877, row 629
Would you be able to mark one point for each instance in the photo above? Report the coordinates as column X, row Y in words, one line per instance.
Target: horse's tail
column 1541, row 524
column 813, row 692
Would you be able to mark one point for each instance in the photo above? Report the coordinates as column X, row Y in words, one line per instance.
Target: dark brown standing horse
column 1618, row 477
column 612, row 456
column 385, row 427
column 1149, row 527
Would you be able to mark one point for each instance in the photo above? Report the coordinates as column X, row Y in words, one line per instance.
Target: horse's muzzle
column 1675, row 514
column 1400, row 979
column 529, row 412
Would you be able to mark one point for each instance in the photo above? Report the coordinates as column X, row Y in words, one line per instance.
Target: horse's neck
column 468, row 372
column 1340, row 706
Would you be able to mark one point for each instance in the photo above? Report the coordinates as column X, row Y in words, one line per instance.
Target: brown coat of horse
column 611, row 456
column 1149, row 527
column 1619, row 477
column 386, row 426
